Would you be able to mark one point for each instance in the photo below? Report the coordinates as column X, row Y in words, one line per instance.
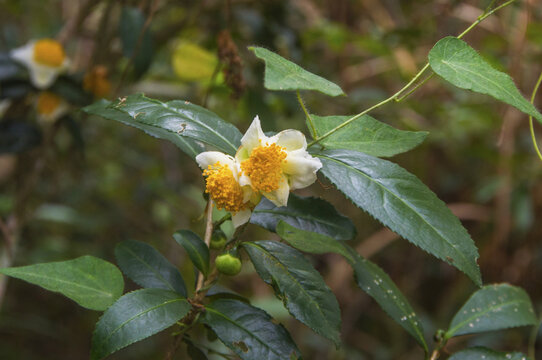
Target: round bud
column 218, row 240
column 228, row 264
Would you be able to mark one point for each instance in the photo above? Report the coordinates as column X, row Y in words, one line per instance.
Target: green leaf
column 456, row 62
column 91, row 282
column 367, row 135
column 377, row 284
column 134, row 317
column 147, row 267
column 311, row 242
column 403, row 203
column 131, row 25
column 194, row 352
column 249, row 331
column 298, row 285
column 493, row 307
column 104, row 109
column 478, row 352
column 195, row 248
column 281, row 74
column 373, row 280
column 181, row 118
column 307, row 213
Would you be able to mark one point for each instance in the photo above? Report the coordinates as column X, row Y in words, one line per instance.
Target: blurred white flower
column 45, row 60
column 50, row 107
column 275, row 165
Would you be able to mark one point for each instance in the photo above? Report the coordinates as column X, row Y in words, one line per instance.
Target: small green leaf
column 478, row 352
column 311, row 242
column 91, row 282
column 367, row 135
column 249, row 331
column 298, row 285
column 307, row 213
column 373, row 280
column 132, row 21
column 195, row 248
column 134, row 317
column 456, row 62
column 147, row 267
column 403, row 203
column 104, row 109
column 493, row 307
column 281, row 74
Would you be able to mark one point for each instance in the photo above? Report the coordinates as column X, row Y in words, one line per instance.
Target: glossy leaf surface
column 372, row 279
column 493, row 307
column 459, row 64
column 403, row 203
column 366, row 135
column 478, row 353
column 282, row 74
column 298, row 285
column 91, row 282
column 104, row 109
column 195, row 248
column 249, row 331
column 147, row 267
column 136, row 316
column 307, row 213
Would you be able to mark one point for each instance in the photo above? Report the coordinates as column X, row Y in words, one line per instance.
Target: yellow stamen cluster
column 48, row 103
column 49, row 52
column 223, row 188
column 264, row 167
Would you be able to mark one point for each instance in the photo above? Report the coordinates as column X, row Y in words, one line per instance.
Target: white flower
column 50, row 107
column 275, row 165
column 45, row 60
column 221, row 173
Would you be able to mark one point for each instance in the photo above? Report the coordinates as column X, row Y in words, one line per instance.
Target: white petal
column 254, row 134
column 24, row 54
column 241, row 217
column 42, row 76
column 291, row 140
column 207, row 158
column 279, row 197
column 301, row 168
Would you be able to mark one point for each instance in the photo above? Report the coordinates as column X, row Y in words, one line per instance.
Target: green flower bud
column 218, row 240
column 228, row 264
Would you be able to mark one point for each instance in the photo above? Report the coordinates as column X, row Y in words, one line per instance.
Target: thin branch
column 207, row 239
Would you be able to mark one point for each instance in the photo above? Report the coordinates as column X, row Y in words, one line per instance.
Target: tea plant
column 251, row 176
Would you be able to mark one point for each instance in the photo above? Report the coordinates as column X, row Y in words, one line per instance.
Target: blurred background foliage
column 81, row 189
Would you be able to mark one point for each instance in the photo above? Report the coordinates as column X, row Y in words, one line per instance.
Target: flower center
column 48, row 103
column 48, row 52
column 223, row 188
column 263, row 167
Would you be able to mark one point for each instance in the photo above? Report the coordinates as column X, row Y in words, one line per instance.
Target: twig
column 207, row 238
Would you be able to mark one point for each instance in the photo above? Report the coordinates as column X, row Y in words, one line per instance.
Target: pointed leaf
column 478, row 352
column 195, row 248
column 493, row 307
column 456, row 62
column 134, row 317
column 298, row 285
column 367, row 135
column 91, row 282
column 373, row 280
column 104, row 109
column 403, row 203
column 249, row 331
column 311, row 242
column 282, row 74
column 307, row 213
column 147, row 267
